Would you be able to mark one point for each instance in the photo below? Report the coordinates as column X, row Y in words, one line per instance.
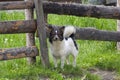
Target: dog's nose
column 56, row 37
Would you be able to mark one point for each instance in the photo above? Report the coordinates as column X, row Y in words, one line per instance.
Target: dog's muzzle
column 56, row 38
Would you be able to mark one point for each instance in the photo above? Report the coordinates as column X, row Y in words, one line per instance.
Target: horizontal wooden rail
column 67, row 9
column 10, row 27
column 16, row 5
column 82, row 10
column 94, row 34
column 14, row 53
column 29, row 26
column 9, row 0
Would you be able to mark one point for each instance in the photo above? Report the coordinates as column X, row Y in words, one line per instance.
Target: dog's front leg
column 67, row 60
column 55, row 62
column 74, row 61
column 62, row 62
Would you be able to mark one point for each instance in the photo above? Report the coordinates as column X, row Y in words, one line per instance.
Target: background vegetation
column 92, row 54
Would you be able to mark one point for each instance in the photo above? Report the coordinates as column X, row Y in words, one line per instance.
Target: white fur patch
column 69, row 30
column 56, row 31
column 62, row 49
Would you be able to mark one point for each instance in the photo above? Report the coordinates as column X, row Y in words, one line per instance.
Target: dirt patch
column 104, row 75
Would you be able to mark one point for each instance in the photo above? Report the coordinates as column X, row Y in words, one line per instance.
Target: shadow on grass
column 59, row 74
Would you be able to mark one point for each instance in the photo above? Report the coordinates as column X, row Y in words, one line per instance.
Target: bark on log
column 16, row 5
column 82, row 33
column 30, row 37
column 11, row 27
column 14, row 53
column 82, row 10
column 94, row 34
column 9, row 0
column 42, row 33
column 68, row 9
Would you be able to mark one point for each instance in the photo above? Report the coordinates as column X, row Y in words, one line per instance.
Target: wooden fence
column 30, row 25
column 27, row 26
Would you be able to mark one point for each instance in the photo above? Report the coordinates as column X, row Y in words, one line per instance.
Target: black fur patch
column 73, row 38
column 56, row 31
column 75, row 44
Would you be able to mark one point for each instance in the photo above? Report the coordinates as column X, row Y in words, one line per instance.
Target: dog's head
column 55, row 33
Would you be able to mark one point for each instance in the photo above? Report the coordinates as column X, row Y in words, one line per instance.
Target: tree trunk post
column 30, row 38
column 42, row 33
column 118, row 25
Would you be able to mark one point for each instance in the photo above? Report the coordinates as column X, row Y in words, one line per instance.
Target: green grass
column 92, row 54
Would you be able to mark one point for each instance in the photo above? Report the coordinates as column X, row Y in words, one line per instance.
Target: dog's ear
column 49, row 28
column 62, row 28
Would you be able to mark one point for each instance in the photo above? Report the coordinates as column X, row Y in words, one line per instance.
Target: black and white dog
column 62, row 44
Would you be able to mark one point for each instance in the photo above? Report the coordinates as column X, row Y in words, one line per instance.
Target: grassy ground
column 92, row 54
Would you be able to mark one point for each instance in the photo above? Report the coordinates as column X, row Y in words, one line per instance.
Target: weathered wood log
column 16, row 5
column 82, row 33
column 68, row 9
column 14, row 53
column 94, row 34
column 9, row 0
column 42, row 33
column 30, row 37
column 10, row 27
column 82, row 10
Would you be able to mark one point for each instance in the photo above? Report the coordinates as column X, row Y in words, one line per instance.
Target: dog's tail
column 69, row 31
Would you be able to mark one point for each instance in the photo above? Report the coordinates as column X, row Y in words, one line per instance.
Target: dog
column 62, row 44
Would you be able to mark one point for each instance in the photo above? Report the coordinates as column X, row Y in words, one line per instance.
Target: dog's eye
column 53, row 33
column 60, row 34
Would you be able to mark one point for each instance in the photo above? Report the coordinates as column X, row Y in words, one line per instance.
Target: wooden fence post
column 42, row 33
column 30, row 38
column 118, row 25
